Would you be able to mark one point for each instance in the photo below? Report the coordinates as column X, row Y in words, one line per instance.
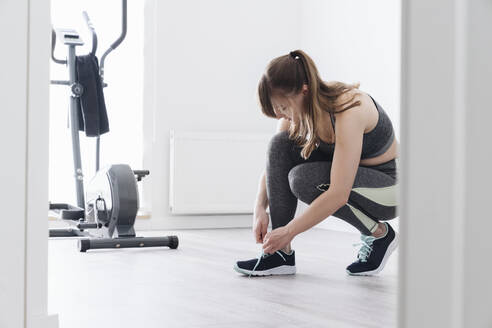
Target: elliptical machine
column 107, row 216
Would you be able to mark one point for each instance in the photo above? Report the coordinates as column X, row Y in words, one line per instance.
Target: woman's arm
column 348, row 148
column 261, row 195
column 319, row 209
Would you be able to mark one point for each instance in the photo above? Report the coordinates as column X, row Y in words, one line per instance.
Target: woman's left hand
column 277, row 239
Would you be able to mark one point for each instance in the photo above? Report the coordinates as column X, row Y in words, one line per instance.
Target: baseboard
column 147, row 222
column 140, row 215
column 183, row 222
column 43, row 321
column 195, row 222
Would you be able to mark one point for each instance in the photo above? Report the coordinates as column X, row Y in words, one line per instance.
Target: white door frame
column 24, row 86
column 446, row 157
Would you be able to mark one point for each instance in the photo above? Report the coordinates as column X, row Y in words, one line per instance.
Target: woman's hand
column 277, row 239
column 260, row 224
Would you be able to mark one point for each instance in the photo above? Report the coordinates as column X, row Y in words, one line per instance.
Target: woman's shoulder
column 366, row 111
column 354, row 98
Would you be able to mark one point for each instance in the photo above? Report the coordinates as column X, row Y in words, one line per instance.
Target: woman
column 350, row 174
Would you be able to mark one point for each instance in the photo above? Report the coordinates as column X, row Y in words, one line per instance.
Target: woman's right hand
column 260, row 224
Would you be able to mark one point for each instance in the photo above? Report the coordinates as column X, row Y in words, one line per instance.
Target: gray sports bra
column 374, row 142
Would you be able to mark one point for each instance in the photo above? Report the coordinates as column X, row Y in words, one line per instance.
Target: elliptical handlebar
column 53, row 45
column 93, row 32
column 94, row 40
column 113, row 46
column 119, row 40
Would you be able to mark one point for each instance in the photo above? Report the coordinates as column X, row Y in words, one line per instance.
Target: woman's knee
column 295, row 180
column 303, row 179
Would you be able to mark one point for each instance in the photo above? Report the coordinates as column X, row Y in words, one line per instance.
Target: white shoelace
column 262, row 255
column 366, row 249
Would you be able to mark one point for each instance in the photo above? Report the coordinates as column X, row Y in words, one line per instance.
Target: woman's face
column 289, row 107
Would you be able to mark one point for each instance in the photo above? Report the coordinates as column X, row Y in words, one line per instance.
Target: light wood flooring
column 196, row 286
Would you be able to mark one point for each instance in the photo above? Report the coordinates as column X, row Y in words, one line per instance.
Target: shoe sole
column 281, row 270
column 392, row 246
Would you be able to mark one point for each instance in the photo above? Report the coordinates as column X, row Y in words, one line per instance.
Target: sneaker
column 374, row 253
column 277, row 263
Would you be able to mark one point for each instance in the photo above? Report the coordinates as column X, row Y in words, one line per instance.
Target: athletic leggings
column 289, row 177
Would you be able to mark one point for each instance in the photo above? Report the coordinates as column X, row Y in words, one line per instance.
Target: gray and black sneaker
column 278, row 263
column 374, row 253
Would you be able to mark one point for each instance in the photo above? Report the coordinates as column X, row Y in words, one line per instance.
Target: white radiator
column 215, row 172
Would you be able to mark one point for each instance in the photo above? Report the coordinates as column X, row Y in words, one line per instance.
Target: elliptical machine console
column 107, row 213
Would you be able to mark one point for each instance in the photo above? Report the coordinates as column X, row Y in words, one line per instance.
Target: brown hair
column 286, row 75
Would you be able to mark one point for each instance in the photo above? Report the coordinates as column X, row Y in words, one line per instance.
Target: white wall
column 203, row 60
column 24, row 27
column 357, row 41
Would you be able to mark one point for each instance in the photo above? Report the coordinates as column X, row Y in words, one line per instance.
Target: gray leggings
column 289, row 177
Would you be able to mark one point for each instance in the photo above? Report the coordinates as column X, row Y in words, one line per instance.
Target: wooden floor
column 196, row 286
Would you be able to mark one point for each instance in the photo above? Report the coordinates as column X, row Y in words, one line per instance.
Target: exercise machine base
column 127, row 242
